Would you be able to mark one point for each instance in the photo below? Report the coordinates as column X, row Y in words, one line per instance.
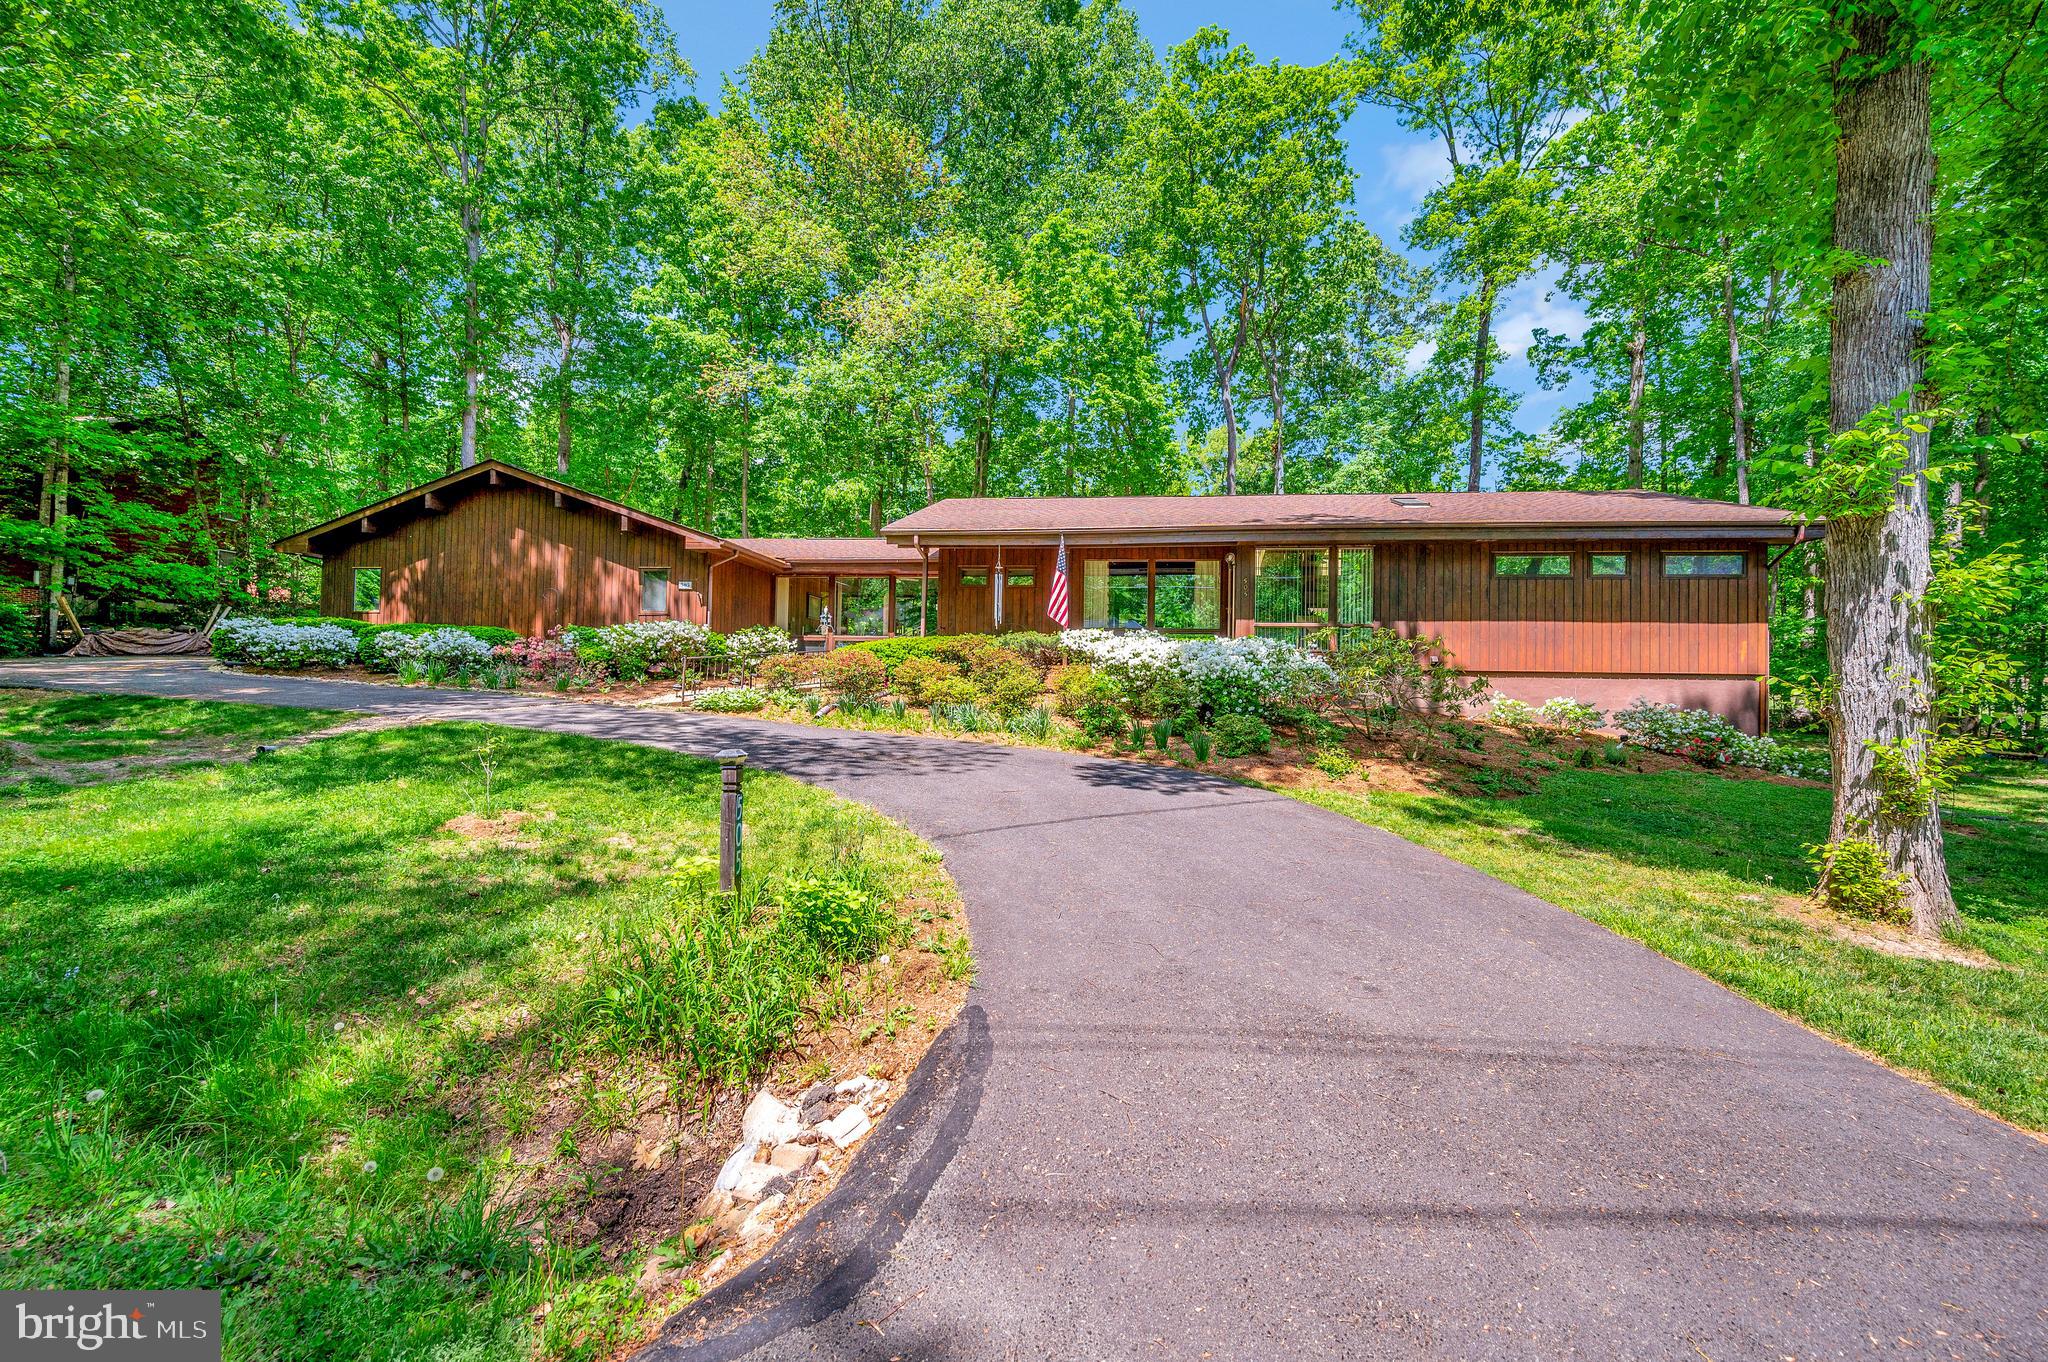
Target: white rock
column 757, row 1180
column 761, row 1220
column 729, row 1172
column 861, row 1088
column 847, row 1126
column 769, row 1120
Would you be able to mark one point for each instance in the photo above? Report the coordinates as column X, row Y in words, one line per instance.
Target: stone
column 861, row 1088
column 695, row 1237
column 727, row 1226
column 758, row 1180
column 713, row 1205
column 729, row 1172
column 769, row 1120
column 762, row 1219
column 656, row 1280
column 815, row 1105
column 793, row 1158
column 847, row 1126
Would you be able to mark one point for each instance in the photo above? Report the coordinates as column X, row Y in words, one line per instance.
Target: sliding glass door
column 1296, row 596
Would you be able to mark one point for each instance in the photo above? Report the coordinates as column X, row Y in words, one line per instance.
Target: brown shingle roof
column 1011, row 517
column 802, row 553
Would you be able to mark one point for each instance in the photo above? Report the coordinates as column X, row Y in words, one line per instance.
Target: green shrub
column 1855, row 878
column 1077, row 684
column 914, row 675
column 952, row 690
column 968, row 718
column 1101, row 720
column 1242, row 735
column 1162, row 734
column 732, row 700
column 1011, row 688
column 790, row 671
column 1039, row 650
column 896, row 650
column 1615, row 754
column 992, row 660
column 354, row 626
column 1336, row 763
column 1512, row 713
column 1201, row 744
column 1567, row 715
column 857, row 678
column 843, row 917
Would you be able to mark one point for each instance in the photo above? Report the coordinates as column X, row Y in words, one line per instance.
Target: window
column 1020, row 576
column 1703, row 565
column 1291, row 592
column 1609, row 565
column 1187, row 597
column 910, row 605
column 1094, row 593
column 368, row 589
column 1532, row 565
column 1129, row 585
column 975, row 576
column 863, row 605
column 654, row 591
column 1354, row 594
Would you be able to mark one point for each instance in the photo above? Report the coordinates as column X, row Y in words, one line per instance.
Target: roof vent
column 1411, row 501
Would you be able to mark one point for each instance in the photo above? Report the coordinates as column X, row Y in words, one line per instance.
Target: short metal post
column 731, row 820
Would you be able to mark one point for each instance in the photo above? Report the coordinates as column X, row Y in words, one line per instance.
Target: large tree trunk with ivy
column 1878, row 563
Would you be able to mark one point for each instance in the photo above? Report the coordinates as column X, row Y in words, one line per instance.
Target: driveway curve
column 1245, row 1079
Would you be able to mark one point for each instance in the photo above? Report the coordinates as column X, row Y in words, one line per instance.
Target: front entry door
column 974, row 599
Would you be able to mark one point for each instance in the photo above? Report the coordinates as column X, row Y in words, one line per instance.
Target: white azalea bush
column 1707, row 737
column 269, row 643
column 1231, row 675
column 455, row 650
column 649, row 647
column 749, row 648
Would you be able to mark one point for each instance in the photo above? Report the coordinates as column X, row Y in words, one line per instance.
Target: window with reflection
column 1703, row 565
column 1532, row 565
column 1291, row 592
column 911, row 606
column 863, row 605
column 1608, row 565
column 1187, row 595
column 654, row 591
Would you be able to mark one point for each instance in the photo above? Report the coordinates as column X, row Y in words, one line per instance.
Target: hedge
column 895, row 650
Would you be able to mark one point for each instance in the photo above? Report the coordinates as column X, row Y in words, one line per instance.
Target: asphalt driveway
column 1246, row 1079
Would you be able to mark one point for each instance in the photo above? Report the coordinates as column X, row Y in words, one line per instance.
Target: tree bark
column 56, row 505
column 1278, row 398
column 472, row 371
column 985, row 431
column 1638, row 374
column 1737, row 423
column 563, row 440
column 1879, row 565
column 1482, row 352
column 1226, row 371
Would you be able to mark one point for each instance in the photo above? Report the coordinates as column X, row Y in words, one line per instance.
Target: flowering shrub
column 790, row 671
column 455, row 649
column 1707, row 737
column 1512, row 713
column 540, row 659
column 1568, row 715
column 749, row 648
column 264, row 643
column 647, row 647
column 1232, row 676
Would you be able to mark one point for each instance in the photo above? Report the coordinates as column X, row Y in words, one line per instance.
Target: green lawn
column 251, row 1008
column 1692, row 863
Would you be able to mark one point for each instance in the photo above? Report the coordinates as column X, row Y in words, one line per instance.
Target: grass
column 276, row 1027
column 1695, row 865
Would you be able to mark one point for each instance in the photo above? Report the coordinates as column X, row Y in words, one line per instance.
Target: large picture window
column 863, row 605
column 654, row 591
column 1187, row 596
column 910, row 607
column 1128, row 585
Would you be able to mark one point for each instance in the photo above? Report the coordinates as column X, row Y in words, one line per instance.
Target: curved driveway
column 1261, row 1082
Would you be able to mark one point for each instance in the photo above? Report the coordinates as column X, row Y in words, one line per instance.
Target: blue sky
column 1394, row 167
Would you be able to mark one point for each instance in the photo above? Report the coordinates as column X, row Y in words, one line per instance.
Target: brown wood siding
column 742, row 596
column 509, row 556
column 1643, row 624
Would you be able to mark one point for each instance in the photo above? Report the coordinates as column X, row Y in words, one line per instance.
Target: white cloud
column 1418, row 357
column 1532, row 304
column 1413, row 168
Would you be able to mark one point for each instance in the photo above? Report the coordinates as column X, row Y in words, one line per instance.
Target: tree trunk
column 985, row 432
column 472, row 371
column 1482, row 352
column 57, row 470
column 1638, row 373
column 1878, row 565
column 1226, row 369
column 567, row 336
column 1737, row 423
column 1279, row 428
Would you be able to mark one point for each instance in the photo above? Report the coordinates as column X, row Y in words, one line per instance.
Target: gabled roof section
column 822, row 555
column 425, row 499
column 1418, row 515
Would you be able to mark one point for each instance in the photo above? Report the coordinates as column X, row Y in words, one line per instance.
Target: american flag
column 1056, row 600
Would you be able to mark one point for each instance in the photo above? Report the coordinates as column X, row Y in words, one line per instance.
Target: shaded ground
column 1262, row 1081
